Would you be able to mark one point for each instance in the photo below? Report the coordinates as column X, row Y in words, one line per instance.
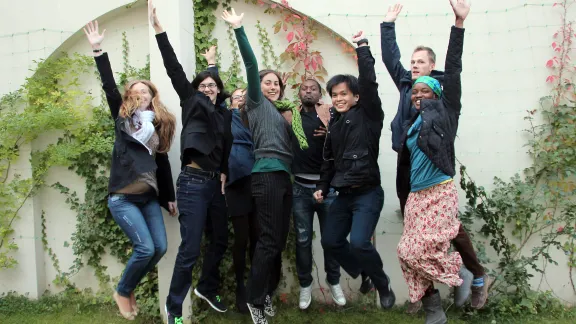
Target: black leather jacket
column 353, row 140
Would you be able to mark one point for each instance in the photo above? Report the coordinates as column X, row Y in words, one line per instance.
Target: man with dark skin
column 306, row 168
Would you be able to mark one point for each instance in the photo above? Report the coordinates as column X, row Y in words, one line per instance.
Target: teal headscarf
column 432, row 83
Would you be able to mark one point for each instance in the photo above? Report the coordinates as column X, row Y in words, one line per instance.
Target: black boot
column 387, row 296
column 433, row 308
column 241, row 305
column 366, row 284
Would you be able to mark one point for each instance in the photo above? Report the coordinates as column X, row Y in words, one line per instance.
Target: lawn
column 315, row 315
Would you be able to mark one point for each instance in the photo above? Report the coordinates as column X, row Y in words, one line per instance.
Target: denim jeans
column 303, row 208
column 202, row 209
column 140, row 217
column 356, row 212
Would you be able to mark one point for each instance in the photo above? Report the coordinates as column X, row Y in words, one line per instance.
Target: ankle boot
column 433, row 308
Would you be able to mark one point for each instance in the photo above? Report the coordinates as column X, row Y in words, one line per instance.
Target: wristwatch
column 362, row 41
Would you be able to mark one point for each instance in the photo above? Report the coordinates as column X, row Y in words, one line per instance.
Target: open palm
column 393, row 13
column 232, row 18
column 461, row 8
column 91, row 31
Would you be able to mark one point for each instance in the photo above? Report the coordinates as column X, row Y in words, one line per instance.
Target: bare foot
column 133, row 304
column 124, row 306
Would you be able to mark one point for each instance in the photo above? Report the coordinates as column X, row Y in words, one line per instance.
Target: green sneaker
column 213, row 300
column 171, row 319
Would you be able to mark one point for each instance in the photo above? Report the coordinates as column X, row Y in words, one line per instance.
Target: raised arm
column 254, row 93
column 113, row 96
column 367, row 79
column 390, row 50
column 173, row 68
column 452, row 91
column 210, row 57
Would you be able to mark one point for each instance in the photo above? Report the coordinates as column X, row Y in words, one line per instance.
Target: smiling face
column 237, row 99
column 143, row 93
column 309, row 93
column 421, row 91
column 421, row 64
column 209, row 87
column 342, row 98
column 270, row 86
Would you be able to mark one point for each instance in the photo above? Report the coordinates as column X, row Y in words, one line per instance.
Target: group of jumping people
column 256, row 160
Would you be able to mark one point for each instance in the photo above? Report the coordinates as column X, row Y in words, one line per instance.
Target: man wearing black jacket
column 306, row 168
column 351, row 167
column 422, row 64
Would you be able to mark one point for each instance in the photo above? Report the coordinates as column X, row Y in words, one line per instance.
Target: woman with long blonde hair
column 140, row 176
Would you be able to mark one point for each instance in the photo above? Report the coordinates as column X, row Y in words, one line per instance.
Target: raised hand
column 285, row 77
column 356, row 38
column 94, row 37
column 154, row 21
column 393, row 12
column 210, row 55
column 461, row 9
column 232, row 18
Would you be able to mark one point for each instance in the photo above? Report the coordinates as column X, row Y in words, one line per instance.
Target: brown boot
column 480, row 294
column 414, row 308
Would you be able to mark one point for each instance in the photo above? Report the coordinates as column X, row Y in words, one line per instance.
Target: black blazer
column 439, row 119
column 198, row 124
column 129, row 157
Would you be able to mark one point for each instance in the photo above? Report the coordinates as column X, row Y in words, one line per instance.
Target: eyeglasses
column 209, row 86
column 237, row 97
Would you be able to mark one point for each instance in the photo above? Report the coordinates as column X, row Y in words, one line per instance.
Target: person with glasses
column 205, row 143
column 239, row 196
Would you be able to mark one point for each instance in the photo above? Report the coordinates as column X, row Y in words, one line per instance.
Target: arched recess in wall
column 305, row 46
column 333, row 49
column 114, row 21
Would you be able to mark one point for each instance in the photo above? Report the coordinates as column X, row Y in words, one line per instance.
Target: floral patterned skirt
column 430, row 224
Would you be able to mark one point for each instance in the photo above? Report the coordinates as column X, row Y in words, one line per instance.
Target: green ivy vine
column 44, row 103
column 204, row 23
column 269, row 59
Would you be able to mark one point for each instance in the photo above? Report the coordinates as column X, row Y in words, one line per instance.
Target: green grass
column 315, row 315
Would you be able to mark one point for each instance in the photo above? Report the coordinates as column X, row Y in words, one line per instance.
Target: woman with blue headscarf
column 427, row 157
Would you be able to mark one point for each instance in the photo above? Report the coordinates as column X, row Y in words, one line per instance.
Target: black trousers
column 272, row 192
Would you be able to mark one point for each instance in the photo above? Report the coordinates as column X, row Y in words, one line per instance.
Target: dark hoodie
column 403, row 80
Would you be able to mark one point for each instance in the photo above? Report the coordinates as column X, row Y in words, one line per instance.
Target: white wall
column 506, row 47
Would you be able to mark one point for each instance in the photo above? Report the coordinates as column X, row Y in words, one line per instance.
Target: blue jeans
column 303, row 208
column 202, row 209
column 356, row 212
column 140, row 217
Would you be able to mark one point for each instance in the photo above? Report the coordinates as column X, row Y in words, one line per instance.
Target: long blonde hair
column 164, row 121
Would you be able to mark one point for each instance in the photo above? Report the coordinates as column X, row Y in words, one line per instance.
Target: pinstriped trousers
column 272, row 193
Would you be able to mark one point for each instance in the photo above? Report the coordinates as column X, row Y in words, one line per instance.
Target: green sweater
column 271, row 133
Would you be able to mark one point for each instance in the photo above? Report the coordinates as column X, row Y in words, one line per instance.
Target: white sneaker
column 305, row 297
column 337, row 294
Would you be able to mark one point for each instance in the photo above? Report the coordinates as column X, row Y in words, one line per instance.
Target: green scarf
column 285, row 105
